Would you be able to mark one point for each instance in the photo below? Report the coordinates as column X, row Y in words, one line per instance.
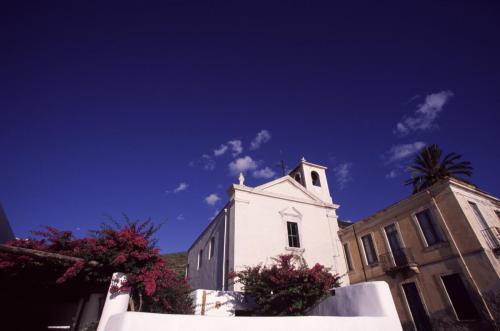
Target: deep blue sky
column 106, row 108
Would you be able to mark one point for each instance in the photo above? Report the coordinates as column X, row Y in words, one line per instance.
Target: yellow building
column 439, row 252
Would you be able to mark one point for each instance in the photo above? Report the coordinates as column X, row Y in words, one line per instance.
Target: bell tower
column 313, row 178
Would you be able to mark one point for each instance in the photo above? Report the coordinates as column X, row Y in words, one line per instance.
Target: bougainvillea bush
column 288, row 287
column 128, row 247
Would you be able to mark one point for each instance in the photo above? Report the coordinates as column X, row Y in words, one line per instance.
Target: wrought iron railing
column 397, row 259
column 492, row 237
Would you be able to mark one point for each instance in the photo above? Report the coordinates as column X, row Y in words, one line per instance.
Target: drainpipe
column 359, row 251
column 224, row 252
column 462, row 260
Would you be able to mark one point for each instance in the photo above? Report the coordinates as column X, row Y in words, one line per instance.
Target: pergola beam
column 43, row 255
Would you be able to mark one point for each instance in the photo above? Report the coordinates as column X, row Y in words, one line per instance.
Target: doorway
column 417, row 310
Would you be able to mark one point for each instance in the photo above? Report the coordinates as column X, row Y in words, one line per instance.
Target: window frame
column 386, row 239
column 348, row 257
column 435, row 224
column 376, row 262
column 290, row 235
column 398, row 230
column 291, row 214
column 478, row 215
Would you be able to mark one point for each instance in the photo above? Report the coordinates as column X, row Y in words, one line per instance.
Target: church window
column 315, row 178
column 211, row 249
column 200, row 258
column 293, row 234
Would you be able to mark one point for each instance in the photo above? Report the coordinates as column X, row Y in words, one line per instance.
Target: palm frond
column 428, row 167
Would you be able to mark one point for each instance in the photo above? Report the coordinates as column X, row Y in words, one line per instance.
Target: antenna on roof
column 282, row 165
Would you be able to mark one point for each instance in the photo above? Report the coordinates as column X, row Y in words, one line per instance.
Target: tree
column 428, row 168
column 128, row 248
column 288, row 287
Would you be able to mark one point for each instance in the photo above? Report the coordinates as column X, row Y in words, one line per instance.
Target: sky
column 151, row 109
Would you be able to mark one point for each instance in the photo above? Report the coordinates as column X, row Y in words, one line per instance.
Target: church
column 292, row 214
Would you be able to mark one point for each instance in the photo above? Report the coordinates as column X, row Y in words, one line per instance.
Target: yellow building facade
column 439, row 252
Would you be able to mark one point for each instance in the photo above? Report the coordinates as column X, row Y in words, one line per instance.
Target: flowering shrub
column 286, row 288
column 127, row 248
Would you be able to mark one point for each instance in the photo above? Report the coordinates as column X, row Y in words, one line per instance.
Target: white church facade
column 292, row 214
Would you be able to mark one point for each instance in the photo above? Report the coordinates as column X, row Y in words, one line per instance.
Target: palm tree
column 428, row 168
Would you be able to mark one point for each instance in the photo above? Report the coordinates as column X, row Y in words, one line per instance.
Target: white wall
column 157, row 322
column 363, row 307
column 261, row 233
column 363, row 299
column 219, row 303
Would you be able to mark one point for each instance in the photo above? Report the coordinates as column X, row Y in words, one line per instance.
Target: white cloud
column 236, row 147
column 342, row 174
column 180, row 217
column 243, row 164
column 221, row 150
column 212, row 199
column 425, row 115
column 392, row 174
column 264, row 173
column 403, row 151
column 261, row 138
column 207, row 162
column 181, row 187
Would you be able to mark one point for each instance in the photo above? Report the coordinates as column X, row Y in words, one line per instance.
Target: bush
column 128, row 248
column 288, row 287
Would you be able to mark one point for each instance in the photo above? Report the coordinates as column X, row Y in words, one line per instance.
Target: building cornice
column 250, row 190
column 395, row 209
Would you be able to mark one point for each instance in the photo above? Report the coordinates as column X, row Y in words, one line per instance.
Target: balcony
column 399, row 261
column 492, row 237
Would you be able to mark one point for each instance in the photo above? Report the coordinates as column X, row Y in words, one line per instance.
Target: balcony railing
column 399, row 260
column 492, row 237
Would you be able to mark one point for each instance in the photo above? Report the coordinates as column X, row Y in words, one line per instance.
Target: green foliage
column 177, row 261
column 428, row 168
column 288, row 287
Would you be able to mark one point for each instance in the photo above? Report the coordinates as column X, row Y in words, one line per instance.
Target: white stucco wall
column 363, row 307
column 115, row 303
column 219, row 303
column 131, row 321
column 363, row 299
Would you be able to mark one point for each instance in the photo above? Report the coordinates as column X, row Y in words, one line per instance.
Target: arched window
column 315, row 178
column 200, row 259
column 298, row 178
